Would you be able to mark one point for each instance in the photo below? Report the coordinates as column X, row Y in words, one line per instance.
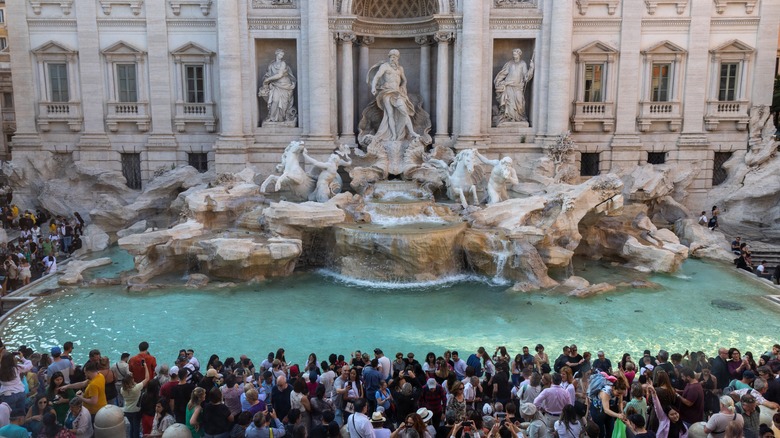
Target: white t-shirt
column 50, row 262
column 760, row 268
column 573, row 431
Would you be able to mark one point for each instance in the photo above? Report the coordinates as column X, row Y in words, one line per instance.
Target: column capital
column 423, row 40
column 366, row 40
column 346, row 37
column 444, row 37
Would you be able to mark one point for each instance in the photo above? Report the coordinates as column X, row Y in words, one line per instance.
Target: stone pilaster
column 694, row 98
column 443, row 85
column 347, row 101
column 364, row 95
column 23, row 79
column 560, row 46
column 94, row 142
column 766, row 50
column 230, row 151
column 161, row 143
column 425, row 70
column 318, row 133
column 471, row 67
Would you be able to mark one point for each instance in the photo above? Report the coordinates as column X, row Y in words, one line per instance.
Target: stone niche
column 265, row 54
column 378, row 51
column 502, row 53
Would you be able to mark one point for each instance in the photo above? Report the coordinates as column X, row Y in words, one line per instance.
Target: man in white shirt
column 192, row 360
column 358, row 424
column 384, row 361
column 460, row 366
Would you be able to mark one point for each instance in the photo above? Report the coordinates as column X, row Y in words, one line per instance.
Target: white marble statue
column 328, row 181
column 763, row 145
column 388, row 85
column 292, row 177
column 503, row 172
column 278, row 91
column 510, row 85
column 462, row 176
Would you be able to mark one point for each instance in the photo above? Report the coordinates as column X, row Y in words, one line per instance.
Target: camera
column 468, row 423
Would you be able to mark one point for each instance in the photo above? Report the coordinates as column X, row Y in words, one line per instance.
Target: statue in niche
column 503, row 172
column 388, row 84
column 510, row 85
column 278, row 91
column 328, row 181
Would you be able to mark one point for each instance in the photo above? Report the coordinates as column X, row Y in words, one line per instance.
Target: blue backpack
column 474, row 362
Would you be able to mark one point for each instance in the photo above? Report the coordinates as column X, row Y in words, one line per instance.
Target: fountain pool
column 323, row 313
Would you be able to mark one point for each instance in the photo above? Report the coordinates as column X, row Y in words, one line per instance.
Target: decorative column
column 230, row 148
column 94, row 137
column 318, row 44
column 443, row 85
column 161, row 144
column 471, row 65
column 26, row 139
column 694, row 98
column 425, row 70
column 364, row 95
column 347, row 107
column 558, row 99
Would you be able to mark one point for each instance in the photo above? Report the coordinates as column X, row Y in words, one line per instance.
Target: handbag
column 349, row 407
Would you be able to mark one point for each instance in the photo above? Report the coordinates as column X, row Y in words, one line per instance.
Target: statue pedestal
column 513, row 125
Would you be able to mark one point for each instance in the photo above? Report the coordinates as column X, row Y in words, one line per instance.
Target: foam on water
column 395, row 196
column 390, row 221
column 432, row 284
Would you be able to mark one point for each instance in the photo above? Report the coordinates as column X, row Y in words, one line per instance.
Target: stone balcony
column 195, row 113
column 727, row 111
column 662, row 112
column 59, row 112
column 128, row 112
column 594, row 113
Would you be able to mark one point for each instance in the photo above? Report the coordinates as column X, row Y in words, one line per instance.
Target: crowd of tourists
column 42, row 240
column 475, row 395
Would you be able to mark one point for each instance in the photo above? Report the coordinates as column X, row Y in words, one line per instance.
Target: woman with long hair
column 312, row 365
column 568, row 426
column 320, row 404
column 51, row 428
column 12, row 367
column 148, row 405
column 33, row 421
column 669, row 423
column 194, row 408
column 736, row 364
column 162, row 417
column 517, row 369
column 624, row 361
column 709, row 383
column 300, row 400
column 59, row 399
column 231, row 394
column 429, row 366
column 607, row 407
column 354, row 391
column 131, row 393
column 456, row 404
column 412, row 422
column 280, row 356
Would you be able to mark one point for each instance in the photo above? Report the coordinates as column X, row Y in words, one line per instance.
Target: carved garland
column 65, row 5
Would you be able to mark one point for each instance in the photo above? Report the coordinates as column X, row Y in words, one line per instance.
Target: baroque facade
column 136, row 85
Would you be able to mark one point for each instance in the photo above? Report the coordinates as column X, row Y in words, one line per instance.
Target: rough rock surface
column 289, row 218
column 593, row 289
column 94, row 239
column 249, row 259
column 74, row 269
column 703, row 242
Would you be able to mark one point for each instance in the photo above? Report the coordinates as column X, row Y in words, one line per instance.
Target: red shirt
column 137, row 369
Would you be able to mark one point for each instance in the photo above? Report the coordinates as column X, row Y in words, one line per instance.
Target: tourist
column 60, row 399
column 709, row 384
column 79, row 420
column 758, row 390
column 541, row 361
column 149, row 405
column 300, row 400
column 736, row 245
column 529, row 392
column 181, row 396
column 605, row 403
column 378, row 422
column 736, row 364
column 33, row 421
column 15, row 429
column 51, row 428
column 568, row 426
column 692, row 398
column 750, row 416
column 745, row 382
column 537, row 427
column 569, row 383
column 162, row 418
column 502, row 388
column 131, row 394
column 216, row 419
column 255, row 404
column 456, row 404
column 193, row 409
column 12, row 367
column 231, row 394
column 280, row 398
column 638, row 403
column 265, row 425
column 358, row 424
column 433, row 398
column 140, row 360
column 703, row 218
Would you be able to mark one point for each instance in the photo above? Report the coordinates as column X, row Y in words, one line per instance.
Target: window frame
column 124, row 93
column 597, row 52
column 731, row 52
column 199, row 93
column 61, row 81
column 588, row 91
column 122, row 53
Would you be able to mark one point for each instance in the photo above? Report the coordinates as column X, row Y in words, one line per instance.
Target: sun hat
column 528, row 409
column 377, row 417
column 425, row 414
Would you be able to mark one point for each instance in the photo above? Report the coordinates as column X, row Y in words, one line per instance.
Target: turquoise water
column 317, row 312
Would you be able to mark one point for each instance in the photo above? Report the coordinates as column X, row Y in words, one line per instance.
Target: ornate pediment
column 596, row 49
column 192, row 50
column 733, row 47
column 663, row 48
column 53, row 48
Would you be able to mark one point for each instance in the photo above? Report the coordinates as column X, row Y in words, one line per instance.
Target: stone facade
column 136, row 85
column 6, row 88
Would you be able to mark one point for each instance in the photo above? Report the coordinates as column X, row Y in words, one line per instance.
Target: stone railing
column 727, row 111
column 9, row 115
column 55, row 112
column 650, row 112
column 594, row 112
column 195, row 113
column 132, row 112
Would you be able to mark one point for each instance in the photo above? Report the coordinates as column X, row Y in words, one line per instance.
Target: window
column 58, row 83
column 3, row 43
column 195, row 84
column 199, row 160
column 127, row 86
column 8, row 100
column 594, row 82
column 2, row 15
column 131, row 169
column 589, row 164
column 656, row 157
column 660, row 82
column 719, row 173
column 728, row 81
